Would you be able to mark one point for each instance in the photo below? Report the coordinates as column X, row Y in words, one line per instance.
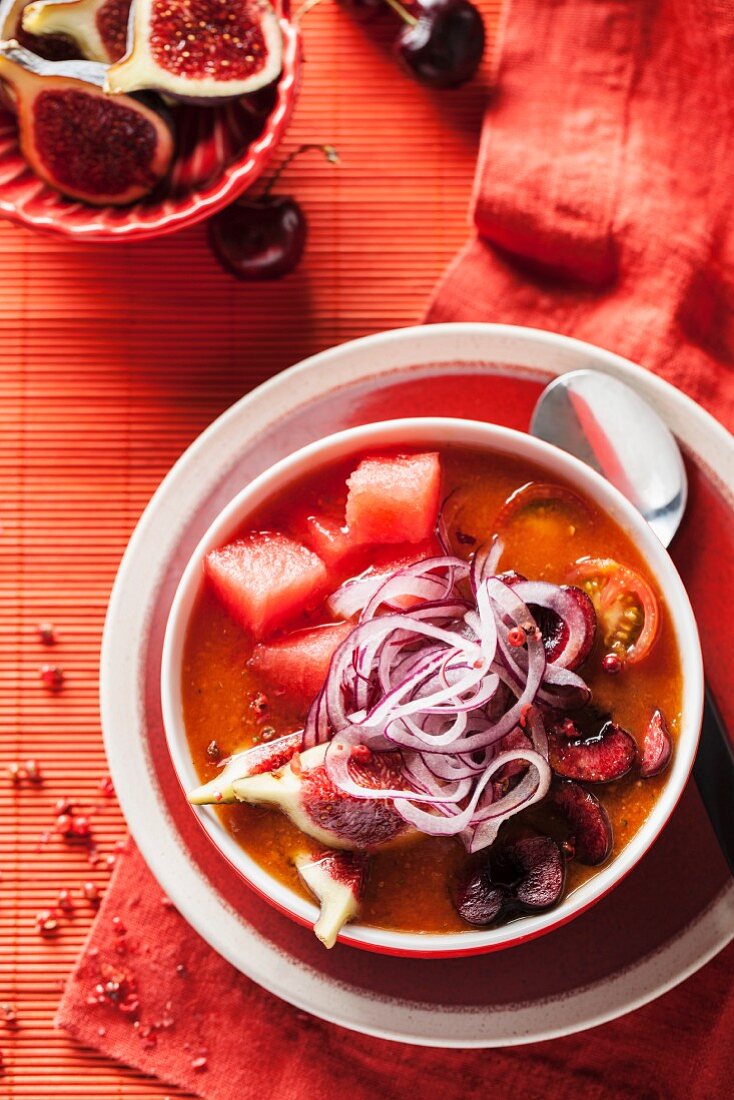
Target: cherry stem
column 328, row 150
column 305, row 9
column 403, row 12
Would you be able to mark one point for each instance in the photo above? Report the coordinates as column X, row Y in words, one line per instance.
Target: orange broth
column 408, row 888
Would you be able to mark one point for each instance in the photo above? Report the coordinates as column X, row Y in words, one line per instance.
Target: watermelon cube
column 332, row 542
column 394, row 499
column 265, row 579
column 299, row 662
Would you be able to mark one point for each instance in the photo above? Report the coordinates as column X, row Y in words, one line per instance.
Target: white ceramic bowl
column 436, row 432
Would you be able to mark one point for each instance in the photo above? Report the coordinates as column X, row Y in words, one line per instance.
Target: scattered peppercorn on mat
column 112, row 360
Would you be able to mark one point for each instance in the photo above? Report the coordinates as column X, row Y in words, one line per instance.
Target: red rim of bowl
column 141, row 222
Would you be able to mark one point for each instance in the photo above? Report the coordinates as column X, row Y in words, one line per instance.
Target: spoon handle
column 713, row 771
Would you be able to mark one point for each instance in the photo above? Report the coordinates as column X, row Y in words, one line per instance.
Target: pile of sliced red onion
column 434, row 669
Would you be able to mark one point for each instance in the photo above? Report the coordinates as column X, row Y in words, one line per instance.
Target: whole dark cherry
column 263, row 238
column 259, row 239
column 362, row 10
column 442, row 45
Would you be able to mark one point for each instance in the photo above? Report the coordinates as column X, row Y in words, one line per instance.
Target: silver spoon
column 608, row 426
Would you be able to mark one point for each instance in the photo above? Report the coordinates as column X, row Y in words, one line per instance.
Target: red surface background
column 112, row 359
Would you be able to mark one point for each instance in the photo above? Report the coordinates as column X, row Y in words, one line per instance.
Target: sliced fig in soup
column 298, row 663
column 588, row 822
column 657, row 747
column 600, row 759
column 266, row 757
column 526, row 876
column 337, row 881
column 304, row 792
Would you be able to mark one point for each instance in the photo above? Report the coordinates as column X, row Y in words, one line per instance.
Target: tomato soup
column 541, row 533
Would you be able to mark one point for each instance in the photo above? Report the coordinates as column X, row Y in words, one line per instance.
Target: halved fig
column 51, row 47
column 199, row 50
column 98, row 27
column 266, row 757
column 657, row 747
column 84, row 143
column 304, row 792
column 588, row 821
column 600, row 759
column 337, row 881
column 526, row 876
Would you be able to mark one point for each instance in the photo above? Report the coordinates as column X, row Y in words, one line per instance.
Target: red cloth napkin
column 603, row 209
column 194, row 1006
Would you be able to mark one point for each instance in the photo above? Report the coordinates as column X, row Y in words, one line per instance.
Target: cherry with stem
column 261, row 239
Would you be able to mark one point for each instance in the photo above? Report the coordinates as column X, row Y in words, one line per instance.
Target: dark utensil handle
column 713, row 771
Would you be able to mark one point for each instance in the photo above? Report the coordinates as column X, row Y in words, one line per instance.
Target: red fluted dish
column 221, row 151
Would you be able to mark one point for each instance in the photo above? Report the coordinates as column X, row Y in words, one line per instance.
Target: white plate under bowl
column 578, row 976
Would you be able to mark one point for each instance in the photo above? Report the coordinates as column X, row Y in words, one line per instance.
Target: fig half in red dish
column 86, row 144
column 200, row 50
column 526, row 876
column 97, row 27
column 56, row 47
column 590, row 828
column 599, row 759
column 657, row 747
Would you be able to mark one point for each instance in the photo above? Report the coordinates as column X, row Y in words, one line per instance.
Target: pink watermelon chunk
column 394, row 499
column 326, row 538
column 265, row 579
column 299, row 662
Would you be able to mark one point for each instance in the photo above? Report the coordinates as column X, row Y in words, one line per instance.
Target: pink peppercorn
column 80, row 825
column 46, row 921
column 65, row 901
column 90, row 892
column 52, row 676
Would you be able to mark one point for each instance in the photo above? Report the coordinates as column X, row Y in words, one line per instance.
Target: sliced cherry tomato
column 626, row 606
column 543, row 502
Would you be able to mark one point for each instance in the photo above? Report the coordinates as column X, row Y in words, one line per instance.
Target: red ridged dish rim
column 91, row 223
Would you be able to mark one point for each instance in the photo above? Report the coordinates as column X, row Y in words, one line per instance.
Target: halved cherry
column 588, row 821
column 541, row 871
column 600, row 759
column 626, row 606
column 477, row 899
column 526, row 876
column 567, row 641
column 657, row 747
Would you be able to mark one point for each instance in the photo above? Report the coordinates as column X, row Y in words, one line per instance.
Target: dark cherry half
column 657, row 747
column 599, row 759
column 590, row 829
column 526, row 876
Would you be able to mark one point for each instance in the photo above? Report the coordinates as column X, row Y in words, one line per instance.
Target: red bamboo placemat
column 112, row 359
